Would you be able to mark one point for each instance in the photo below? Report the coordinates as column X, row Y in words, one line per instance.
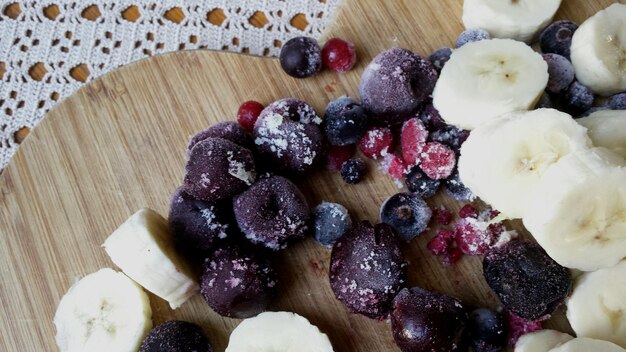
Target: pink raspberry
column 376, row 142
column 447, row 235
column 394, row 166
column 437, row 161
column 468, row 211
column 339, row 55
column 443, row 216
column 413, row 139
column 438, row 245
column 453, row 256
column 473, row 237
column 248, row 114
column 519, row 326
column 337, row 155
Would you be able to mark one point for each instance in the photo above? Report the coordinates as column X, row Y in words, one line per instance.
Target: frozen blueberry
column 218, row 169
column 420, row 184
column 407, row 214
column 487, row 331
column 428, row 321
column 431, row 118
column 450, row 136
column 301, row 57
column 557, row 38
column 561, row 73
column 238, row 281
column 353, row 171
column 617, row 102
column 577, row 99
column 286, row 134
column 345, row 121
column 367, row 269
column 394, row 85
column 472, row 35
column 545, row 102
column 528, row 282
column 330, row 222
column 440, row 57
column 457, row 190
column 230, row 131
column 272, row 212
column 176, row 336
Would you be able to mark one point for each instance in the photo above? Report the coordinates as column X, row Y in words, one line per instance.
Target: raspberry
column 438, row 245
column 337, row 155
column 453, row 256
column 376, row 142
column 473, row 237
column 468, row 211
column 519, row 326
column 413, row 139
column 394, row 166
column 339, row 55
column 447, row 235
column 443, row 216
column 248, row 114
column 437, row 161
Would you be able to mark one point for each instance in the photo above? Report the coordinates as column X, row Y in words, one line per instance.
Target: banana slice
column 541, row 341
column 607, row 128
column 142, row 247
column 519, row 19
column 578, row 211
column 485, row 79
column 503, row 160
column 584, row 344
column 278, row 332
column 105, row 311
column 597, row 307
column 599, row 51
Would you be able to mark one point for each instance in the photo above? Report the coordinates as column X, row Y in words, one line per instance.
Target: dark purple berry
column 577, row 99
column 237, row 281
column 431, row 118
column 457, row 190
column 353, row 171
column 440, row 57
column 545, row 102
column 230, row 131
column 420, row 184
column 367, row 269
column 395, row 84
column 301, row 57
column 176, row 336
column 450, row 136
column 487, row 331
column 407, row 214
column 273, row 212
column 528, row 282
column 330, row 222
column 557, row 38
column 345, row 121
column 617, row 102
column 472, row 35
column 428, row 321
column 561, row 73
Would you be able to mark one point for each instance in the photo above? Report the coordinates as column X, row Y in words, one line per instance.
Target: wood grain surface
column 118, row 144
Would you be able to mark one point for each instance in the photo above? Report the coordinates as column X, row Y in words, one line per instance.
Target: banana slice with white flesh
column 541, row 341
column 584, row 344
column 607, row 128
column 142, row 247
column 104, row 311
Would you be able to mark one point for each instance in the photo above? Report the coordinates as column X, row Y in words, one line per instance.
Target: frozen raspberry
column 337, row 155
column 431, row 118
column 420, row 184
column 447, row 235
column 394, row 166
column 443, row 216
column 468, row 211
column 176, row 336
column 438, row 245
column 473, row 237
column 453, row 256
column 518, row 326
column 345, row 121
column 227, row 130
column 248, row 114
column 450, row 136
column 440, row 57
column 437, row 161
column 353, row 171
column 407, row 214
column 301, row 57
column 339, row 55
column 376, row 142
column 413, row 139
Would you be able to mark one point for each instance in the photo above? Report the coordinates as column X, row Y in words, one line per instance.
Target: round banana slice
column 520, row 19
column 278, row 332
column 599, row 51
column 584, row 344
column 103, row 312
column 597, row 307
column 607, row 128
column 541, row 341
column 485, row 79
column 503, row 160
column 578, row 211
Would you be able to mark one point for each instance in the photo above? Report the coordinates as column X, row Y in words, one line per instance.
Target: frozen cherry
column 330, row 222
column 272, row 212
column 528, row 282
column 407, row 214
column 238, row 281
column 293, row 109
column 428, row 321
column 176, row 336
column 248, row 114
column 226, row 130
column 437, row 161
column 420, row 184
column 218, row 169
column 431, row 118
column 367, row 269
column 395, row 84
column 487, row 331
column 339, row 55
column 345, row 121
column 413, row 139
column 353, row 171
column 301, row 57
column 376, row 142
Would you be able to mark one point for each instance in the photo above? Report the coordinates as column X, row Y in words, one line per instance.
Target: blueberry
column 472, row 35
column 431, row 118
column 617, row 102
column 557, row 38
column 345, row 121
column 330, row 222
column 561, row 73
column 457, row 190
column 301, row 57
column 353, row 171
column 420, row 184
column 577, row 99
column 176, row 336
column 450, row 136
column 487, row 331
column 440, row 57
column 407, row 214
column 545, row 102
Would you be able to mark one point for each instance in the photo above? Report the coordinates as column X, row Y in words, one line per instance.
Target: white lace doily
column 48, row 47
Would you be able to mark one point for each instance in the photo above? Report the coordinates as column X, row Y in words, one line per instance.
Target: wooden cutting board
column 118, row 145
